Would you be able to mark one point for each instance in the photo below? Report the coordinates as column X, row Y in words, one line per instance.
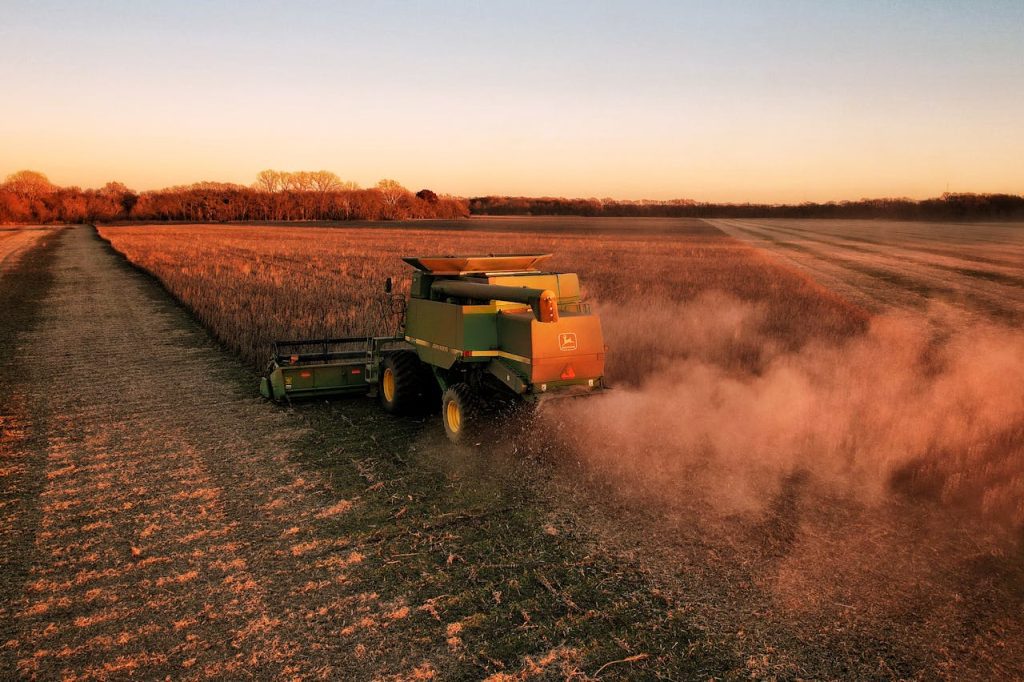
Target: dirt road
column 169, row 531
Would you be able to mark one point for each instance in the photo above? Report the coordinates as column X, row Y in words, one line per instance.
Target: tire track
column 1007, row 276
column 916, row 249
column 21, row 290
column 999, row 293
column 887, row 280
column 856, row 287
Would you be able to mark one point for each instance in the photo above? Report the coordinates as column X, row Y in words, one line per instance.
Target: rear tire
column 405, row 384
column 461, row 410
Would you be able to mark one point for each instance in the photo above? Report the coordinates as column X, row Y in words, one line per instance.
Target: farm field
column 810, row 466
column 16, row 240
column 153, row 532
column 252, row 285
column 892, row 265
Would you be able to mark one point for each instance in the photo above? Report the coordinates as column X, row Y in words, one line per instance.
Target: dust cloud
column 709, row 408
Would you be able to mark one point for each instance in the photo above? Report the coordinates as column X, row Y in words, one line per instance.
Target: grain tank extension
column 475, row 332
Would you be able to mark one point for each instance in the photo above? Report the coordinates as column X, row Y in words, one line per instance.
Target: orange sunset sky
column 723, row 101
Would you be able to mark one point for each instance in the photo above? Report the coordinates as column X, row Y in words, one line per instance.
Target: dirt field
column 16, row 240
column 886, row 474
column 158, row 519
column 978, row 268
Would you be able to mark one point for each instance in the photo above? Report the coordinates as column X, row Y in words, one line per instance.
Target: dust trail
column 721, row 414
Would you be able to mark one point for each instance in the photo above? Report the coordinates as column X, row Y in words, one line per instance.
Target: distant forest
column 955, row 207
column 29, row 197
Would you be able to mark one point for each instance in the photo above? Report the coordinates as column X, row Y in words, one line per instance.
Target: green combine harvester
column 475, row 332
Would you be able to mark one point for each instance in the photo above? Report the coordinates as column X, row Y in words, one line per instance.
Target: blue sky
column 717, row 101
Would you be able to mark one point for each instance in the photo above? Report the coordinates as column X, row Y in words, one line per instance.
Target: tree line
column 30, row 197
column 949, row 206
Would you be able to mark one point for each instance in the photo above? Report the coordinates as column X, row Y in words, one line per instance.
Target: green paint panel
column 325, row 379
column 516, row 331
column 431, row 356
column 460, row 327
column 479, row 329
column 433, row 321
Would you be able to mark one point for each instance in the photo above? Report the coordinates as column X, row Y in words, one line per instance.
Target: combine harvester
column 475, row 333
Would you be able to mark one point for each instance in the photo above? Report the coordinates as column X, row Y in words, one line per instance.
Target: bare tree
column 393, row 196
column 268, row 180
column 29, row 184
column 323, row 183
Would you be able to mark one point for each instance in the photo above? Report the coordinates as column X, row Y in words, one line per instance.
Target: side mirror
column 387, row 286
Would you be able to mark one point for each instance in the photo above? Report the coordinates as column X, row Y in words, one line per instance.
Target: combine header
column 474, row 332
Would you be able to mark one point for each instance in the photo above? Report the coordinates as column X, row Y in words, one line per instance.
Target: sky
column 714, row 101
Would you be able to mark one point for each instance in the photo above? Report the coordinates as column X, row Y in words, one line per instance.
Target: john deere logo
column 567, row 341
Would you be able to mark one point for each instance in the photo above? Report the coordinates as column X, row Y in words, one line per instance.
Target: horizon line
column 604, row 199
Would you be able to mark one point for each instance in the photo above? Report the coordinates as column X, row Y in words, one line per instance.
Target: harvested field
column 885, row 468
column 16, row 240
column 977, row 268
column 803, row 472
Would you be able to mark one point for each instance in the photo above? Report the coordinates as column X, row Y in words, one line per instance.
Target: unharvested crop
column 251, row 285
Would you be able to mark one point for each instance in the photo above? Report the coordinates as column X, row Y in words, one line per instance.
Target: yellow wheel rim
column 388, row 383
column 454, row 416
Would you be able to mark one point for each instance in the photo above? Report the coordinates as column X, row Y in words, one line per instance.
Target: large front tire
column 461, row 413
column 405, row 384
